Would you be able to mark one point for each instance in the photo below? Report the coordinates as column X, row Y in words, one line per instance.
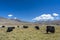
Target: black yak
column 25, row 26
column 37, row 27
column 3, row 26
column 10, row 29
column 50, row 29
column 18, row 26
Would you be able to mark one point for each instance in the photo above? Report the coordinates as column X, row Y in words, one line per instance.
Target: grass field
column 29, row 34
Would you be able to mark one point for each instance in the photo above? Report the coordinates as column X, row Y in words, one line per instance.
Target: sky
column 30, row 10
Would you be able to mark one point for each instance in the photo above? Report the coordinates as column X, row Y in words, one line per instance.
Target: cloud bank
column 45, row 17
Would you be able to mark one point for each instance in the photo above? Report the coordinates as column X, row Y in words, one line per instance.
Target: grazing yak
column 25, row 26
column 50, row 29
column 10, row 29
column 37, row 27
column 3, row 26
column 18, row 26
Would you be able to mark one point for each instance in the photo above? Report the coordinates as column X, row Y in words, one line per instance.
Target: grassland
column 29, row 34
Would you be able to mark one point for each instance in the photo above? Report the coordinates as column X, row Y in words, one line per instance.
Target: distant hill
column 6, row 21
column 54, row 22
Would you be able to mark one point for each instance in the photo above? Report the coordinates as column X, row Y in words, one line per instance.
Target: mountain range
column 6, row 21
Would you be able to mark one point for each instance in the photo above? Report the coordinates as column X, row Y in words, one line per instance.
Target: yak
column 50, row 29
column 37, row 27
column 10, row 29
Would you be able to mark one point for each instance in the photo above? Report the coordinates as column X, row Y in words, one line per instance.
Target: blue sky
column 28, row 9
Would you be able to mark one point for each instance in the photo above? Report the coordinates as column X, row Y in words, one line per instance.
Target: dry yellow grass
column 29, row 34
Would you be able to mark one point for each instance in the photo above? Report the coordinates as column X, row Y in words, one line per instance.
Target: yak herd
column 50, row 29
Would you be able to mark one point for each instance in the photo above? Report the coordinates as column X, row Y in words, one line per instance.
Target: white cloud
column 55, row 14
column 44, row 17
column 10, row 15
